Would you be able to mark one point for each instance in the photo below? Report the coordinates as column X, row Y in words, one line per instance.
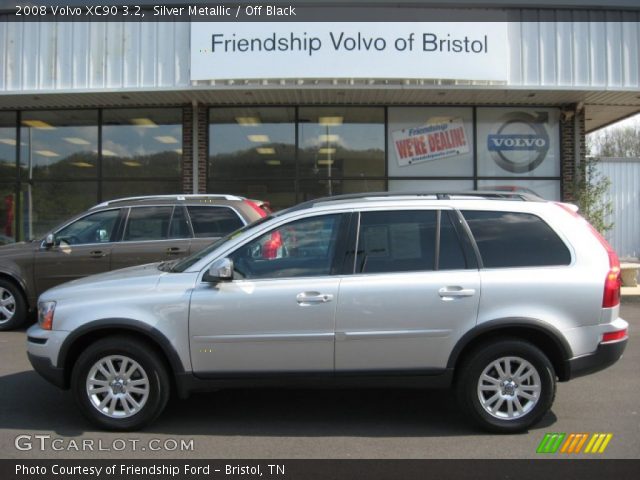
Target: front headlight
column 45, row 314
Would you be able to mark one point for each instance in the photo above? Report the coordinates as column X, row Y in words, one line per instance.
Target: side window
column 148, row 223
column 508, row 239
column 396, row 241
column 179, row 227
column 97, row 227
column 304, row 248
column 452, row 256
column 209, row 221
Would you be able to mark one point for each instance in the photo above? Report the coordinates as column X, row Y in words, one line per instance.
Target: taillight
column 612, row 282
column 614, row 336
column 256, row 207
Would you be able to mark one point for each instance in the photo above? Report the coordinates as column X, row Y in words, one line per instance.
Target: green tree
column 589, row 192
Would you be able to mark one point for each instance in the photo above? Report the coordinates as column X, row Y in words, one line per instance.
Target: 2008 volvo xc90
column 497, row 297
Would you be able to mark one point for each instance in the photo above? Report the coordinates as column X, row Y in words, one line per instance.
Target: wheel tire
column 484, row 392
column 13, row 308
column 144, row 371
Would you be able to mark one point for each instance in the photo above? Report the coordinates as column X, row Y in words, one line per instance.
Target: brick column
column 187, row 149
column 203, row 147
column 186, row 162
column 569, row 145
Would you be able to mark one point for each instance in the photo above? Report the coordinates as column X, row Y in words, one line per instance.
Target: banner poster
column 430, row 142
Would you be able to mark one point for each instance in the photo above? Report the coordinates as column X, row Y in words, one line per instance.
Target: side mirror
column 220, row 271
column 49, row 240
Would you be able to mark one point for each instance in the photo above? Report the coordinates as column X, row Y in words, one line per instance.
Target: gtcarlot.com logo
column 574, row 443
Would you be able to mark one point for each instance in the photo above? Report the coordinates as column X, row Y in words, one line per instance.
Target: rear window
column 508, row 239
column 209, row 221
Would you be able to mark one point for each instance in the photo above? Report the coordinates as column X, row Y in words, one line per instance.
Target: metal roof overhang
column 601, row 107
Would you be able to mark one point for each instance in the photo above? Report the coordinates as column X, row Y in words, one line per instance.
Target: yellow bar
column 584, row 439
column 605, row 443
column 591, row 442
column 596, row 445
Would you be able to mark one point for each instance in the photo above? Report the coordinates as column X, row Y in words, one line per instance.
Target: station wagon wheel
column 509, row 388
column 13, row 310
column 120, row 383
column 117, row 386
column 506, row 386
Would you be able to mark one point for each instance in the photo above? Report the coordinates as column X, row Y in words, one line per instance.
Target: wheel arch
column 544, row 336
column 78, row 341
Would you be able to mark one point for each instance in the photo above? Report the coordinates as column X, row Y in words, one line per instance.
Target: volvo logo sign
column 520, row 143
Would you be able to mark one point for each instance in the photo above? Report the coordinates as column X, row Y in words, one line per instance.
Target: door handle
column 308, row 298
column 174, row 250
column 456, row 292
column 97, row 254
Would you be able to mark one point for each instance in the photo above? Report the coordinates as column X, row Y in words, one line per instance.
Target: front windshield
column 185, row 263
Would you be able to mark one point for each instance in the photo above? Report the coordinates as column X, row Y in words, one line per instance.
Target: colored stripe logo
column 574, row 443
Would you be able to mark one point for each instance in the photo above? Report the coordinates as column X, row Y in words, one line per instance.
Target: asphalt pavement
column 39, row 421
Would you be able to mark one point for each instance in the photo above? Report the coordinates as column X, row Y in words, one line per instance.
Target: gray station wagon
column 497, row 295
column 116, row 234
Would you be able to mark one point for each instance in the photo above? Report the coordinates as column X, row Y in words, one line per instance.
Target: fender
column 512, row 322
column 14, row 275
column 126, row 324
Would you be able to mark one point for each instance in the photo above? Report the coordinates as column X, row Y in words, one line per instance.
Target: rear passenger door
column 413, row 293
column 152, row 234
column 210, row 223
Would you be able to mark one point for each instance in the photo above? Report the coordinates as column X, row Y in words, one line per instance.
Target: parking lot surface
column 39, row 421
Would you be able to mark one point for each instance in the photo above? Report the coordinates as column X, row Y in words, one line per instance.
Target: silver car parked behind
column 497, row 295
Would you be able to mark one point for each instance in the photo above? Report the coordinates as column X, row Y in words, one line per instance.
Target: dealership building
column 291, row 109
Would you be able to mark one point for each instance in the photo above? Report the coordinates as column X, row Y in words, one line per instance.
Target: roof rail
column 474, row 194
column 176, row 196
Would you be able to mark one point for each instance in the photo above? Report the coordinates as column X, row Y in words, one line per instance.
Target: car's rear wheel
column 120, row 383
column 13, row 309
column 506, row 386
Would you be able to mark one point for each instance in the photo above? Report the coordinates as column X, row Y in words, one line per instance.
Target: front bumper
column 605, row 355
column 43, row 366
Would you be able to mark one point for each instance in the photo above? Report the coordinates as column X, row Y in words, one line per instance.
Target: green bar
column 543, row 444
column 551, row 443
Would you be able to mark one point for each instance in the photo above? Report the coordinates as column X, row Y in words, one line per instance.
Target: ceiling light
column 327, row 150
column 258, row 138
column 143, row 122
column 273, row 162
column 266, row 150
column 178, row 151
column 131, row 163
column 82, row 164
column 248, row 121
column 166, row 139
column 108, row 153
column 325, row 161
column 47, row 153
column 330, row 121
column 77, row 140
column 433, row 120
column 329, row 138
column 8, row 141
column 38, row 124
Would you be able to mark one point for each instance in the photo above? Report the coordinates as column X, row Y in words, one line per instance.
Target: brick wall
column 567, row 152
column 187, row 149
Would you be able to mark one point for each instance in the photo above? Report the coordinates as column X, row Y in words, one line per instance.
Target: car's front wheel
column 506, row 386
column 120, row 383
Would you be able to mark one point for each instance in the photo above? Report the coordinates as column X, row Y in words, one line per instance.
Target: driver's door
column 81, row 248
column 278, row 313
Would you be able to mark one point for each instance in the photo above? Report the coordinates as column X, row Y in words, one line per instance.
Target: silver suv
column 498, row 295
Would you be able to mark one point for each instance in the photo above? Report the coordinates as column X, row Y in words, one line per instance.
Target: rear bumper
column 43, row 366
column 605, row 355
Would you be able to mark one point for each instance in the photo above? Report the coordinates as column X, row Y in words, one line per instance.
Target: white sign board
column 430, row 142
column 438, row 50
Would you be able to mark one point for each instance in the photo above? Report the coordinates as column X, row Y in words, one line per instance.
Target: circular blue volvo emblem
column 520, row 143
